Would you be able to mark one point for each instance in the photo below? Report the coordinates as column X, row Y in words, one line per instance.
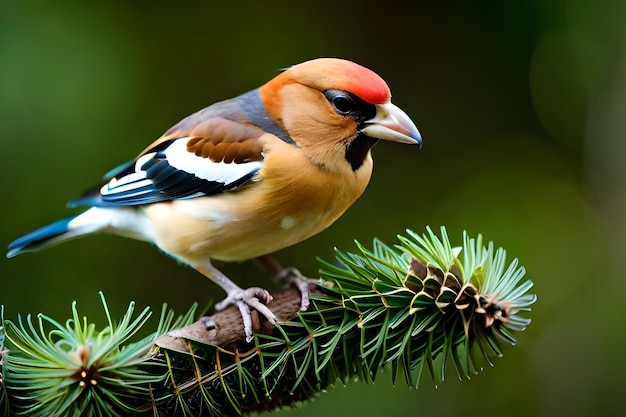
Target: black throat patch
column 357, row 150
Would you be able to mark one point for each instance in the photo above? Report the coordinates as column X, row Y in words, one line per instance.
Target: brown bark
column 225, row 328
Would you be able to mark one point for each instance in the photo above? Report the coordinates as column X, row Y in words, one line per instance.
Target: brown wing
column 209, row 152
column 223, row 140
column 220, row 132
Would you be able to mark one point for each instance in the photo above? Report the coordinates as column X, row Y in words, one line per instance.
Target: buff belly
column 217, row 230
column 277, row 210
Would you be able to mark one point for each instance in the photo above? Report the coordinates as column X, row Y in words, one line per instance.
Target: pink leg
column 244, row 299
column 292, row 275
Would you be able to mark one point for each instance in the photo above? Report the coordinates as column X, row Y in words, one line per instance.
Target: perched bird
column 247, row 176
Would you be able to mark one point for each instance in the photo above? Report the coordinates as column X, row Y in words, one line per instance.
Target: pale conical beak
column 392, row 124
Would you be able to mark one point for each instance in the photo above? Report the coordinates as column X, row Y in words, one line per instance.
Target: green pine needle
column 4, row 400
column 421, row 304
column 73, row 369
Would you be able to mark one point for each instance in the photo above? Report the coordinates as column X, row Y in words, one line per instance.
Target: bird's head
column 336, row 110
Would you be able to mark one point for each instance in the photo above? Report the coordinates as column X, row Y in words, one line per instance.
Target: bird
column 247, row 176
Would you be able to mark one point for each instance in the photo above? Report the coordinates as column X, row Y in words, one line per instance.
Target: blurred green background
column 522, row 106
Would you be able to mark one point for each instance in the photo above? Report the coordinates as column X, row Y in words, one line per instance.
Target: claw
column 295, row 278
column 291, row 275
column 253, row 297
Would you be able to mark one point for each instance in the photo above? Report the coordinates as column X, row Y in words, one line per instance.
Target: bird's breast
column 279, row 209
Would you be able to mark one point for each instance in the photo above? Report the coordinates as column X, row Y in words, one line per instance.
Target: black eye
column 342, row 103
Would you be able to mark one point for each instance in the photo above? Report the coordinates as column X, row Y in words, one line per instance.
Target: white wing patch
column 180, row 158
column 173, row 173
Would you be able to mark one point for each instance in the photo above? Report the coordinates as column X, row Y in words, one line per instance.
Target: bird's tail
column 90, row 221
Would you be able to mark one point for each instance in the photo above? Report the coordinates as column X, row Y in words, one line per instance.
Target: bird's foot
column 290, row 275
column 294, row 277
column 253, row 297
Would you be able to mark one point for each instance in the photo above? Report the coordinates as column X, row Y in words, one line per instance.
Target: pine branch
column 420, row 304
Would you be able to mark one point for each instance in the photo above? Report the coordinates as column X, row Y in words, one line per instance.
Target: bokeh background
column 522, row 106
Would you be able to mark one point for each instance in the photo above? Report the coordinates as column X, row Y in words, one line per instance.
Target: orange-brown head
column 336, row 110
